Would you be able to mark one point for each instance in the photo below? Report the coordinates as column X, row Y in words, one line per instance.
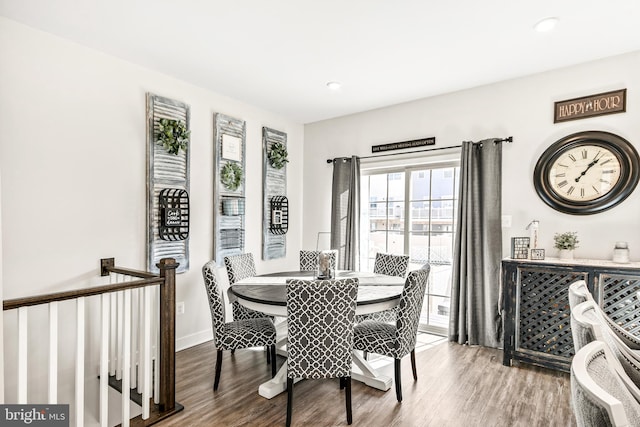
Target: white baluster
column 113, row 328
column 119, row 342
column 105, row 337
column 53, row 353
column 145, row 361
column 126, row 356
column 142, row 295
column 134, row 337
column 22, row 355
column 80, row 361
column 155, row 316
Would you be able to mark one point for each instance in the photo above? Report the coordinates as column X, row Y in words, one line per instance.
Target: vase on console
column 566, row 254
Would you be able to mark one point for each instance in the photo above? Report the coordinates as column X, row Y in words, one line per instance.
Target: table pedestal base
column 275, row 385
column 362, row 371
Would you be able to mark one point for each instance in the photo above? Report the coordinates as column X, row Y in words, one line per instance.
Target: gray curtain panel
column 345, row 211
column 475, row 282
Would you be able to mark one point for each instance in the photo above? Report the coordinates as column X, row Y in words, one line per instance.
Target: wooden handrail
column 11, row 304
column 167, row 281
column 107, row 265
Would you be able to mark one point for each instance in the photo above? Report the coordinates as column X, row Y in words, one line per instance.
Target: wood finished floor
column 457, row 386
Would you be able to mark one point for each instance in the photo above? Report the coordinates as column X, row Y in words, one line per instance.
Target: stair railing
column 128, row 357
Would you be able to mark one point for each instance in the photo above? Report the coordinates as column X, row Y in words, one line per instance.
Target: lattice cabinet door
column 536, row 313
column 545, row 317
column 620, row 299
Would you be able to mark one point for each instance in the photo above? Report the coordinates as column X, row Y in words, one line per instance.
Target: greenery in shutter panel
column 231, row 176
column 173, row 135
column 278, row 155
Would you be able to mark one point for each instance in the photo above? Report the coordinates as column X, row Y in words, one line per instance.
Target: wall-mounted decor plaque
column 228, row 186
column 590, row 106
column 404, row 144
column 167, row 187
column 275, row 210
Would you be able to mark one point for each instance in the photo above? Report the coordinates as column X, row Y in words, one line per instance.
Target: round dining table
column 267, row 293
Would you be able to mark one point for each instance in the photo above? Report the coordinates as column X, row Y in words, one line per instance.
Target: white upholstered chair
column 587, row 326
column 578, row 292
column 598, row 396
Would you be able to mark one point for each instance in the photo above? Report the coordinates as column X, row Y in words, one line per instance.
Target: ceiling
column 279, row 54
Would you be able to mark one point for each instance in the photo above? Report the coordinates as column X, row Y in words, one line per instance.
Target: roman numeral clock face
column 587, row 172
column 584, row 173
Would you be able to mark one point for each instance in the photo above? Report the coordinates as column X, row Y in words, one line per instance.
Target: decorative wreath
column 173, row 135
column 278, row 155
column 231, row 176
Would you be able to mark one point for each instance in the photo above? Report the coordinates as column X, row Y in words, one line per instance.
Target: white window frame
column 407, row 170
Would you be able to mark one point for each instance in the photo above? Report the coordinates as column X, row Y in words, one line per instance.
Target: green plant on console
column 568, row 240
column 278, row 155
column 173, row 135
column 231, row 176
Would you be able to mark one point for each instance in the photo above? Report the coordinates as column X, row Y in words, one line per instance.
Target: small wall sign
column 537, row 254
column 405, row 144
column 276, row 217
column 591, row 106
column 172, row 217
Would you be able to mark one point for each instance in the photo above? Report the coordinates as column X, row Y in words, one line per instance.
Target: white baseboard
column 193, row 339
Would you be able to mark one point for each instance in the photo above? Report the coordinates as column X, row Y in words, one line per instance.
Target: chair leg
column 289, row 399
column 272, row 350
column 233, row 351
column 365, row 355
column 398, row 381
column 413, row 364
column 268, row 354
column 347, row 381
column 341, row 383
column 218, row 368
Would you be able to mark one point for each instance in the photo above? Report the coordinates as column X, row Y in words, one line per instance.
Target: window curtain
column 345, row 211
column 475, row 317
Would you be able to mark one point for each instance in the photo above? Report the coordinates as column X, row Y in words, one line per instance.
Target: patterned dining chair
column 238, row 334
column 397, row 340
column 309, row 260
column 598, row 396
column 390, row 265
column 320, row 316
column 240, row 267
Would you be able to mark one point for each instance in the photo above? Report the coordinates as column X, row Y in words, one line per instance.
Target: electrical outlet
column 506, row 221
column 180, row 307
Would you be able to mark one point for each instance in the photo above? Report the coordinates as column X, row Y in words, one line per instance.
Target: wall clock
column 587, row 172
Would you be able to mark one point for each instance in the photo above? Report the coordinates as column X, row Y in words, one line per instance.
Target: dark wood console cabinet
column 537, row 319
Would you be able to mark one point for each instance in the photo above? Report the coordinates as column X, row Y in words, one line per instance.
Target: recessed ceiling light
column 547, row 24
column 334, row 85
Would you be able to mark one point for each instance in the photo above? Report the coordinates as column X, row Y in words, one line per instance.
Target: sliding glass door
column 412, row 211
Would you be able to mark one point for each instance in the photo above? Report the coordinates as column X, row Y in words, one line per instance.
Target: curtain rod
column 507, row 139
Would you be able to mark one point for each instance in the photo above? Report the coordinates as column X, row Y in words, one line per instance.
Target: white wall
column 522, row 108
column 72, row 154
column 1, row 298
